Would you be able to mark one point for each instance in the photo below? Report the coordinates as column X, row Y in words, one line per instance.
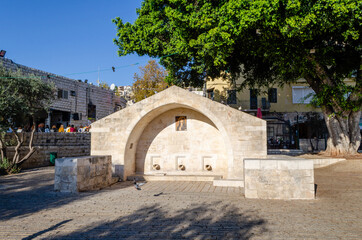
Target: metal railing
column 261, row 103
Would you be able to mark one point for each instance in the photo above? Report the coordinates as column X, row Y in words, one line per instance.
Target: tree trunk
column 32, row 149
column 2, row 149
column 17, row 148
column 344, row 133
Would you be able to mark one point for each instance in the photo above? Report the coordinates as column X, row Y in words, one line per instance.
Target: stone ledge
column 228, row 183
column 324, row 162
column 278, row 163
column 193, row 178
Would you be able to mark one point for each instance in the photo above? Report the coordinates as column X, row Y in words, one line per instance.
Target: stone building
column 177, row 133
column 76, row 102
column 126, row 92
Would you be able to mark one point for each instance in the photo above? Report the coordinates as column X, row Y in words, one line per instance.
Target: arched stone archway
column 203, row 120
column 158, row 142
column 236, row 135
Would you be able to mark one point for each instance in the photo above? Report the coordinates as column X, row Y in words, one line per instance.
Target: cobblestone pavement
column 30, row 209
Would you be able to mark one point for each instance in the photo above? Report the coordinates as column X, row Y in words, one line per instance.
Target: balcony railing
column 261, row 103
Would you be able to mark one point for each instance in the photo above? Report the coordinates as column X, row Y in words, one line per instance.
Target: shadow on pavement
column 214, row 221
column 31, row 192
column 46, row 230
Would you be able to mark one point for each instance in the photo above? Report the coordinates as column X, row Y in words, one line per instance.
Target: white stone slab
column 279, row 178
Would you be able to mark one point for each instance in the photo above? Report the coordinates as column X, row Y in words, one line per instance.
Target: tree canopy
column 269, row 38
column 22, row 98
column 268, row 42
column 151, row 81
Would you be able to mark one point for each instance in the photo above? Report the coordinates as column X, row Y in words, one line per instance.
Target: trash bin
column 53, row 156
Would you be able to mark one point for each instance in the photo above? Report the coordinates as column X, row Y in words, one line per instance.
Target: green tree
column 104, row 85
column 267, row 42
column 116, row 91
column 151, row 81
column 22, row 97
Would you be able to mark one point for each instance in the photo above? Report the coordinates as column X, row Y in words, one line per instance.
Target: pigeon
column 137, row 185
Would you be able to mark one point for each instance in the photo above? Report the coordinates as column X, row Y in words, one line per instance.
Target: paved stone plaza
column 30, row 209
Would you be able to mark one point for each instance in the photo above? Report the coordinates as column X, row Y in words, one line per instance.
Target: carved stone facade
column 148, row 138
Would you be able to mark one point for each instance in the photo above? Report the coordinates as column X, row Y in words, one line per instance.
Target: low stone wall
column 82, row 173
column 64, row 144
column 279, row 178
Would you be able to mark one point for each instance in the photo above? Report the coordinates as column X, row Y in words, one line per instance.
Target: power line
column 102, row 70
column 50, row 75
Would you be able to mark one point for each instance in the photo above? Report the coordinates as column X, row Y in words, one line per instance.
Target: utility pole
column 98, row 77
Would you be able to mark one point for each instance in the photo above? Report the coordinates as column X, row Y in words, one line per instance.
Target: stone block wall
column 64, row 144
column 279, row 178
column 82, row 173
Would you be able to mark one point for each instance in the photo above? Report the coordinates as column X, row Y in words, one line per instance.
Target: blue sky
column 66, row 37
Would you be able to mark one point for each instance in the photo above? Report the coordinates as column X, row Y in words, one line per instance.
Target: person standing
column 54, row 129
column 61, row 128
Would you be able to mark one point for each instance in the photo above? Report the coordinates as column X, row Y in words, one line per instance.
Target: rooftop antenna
column 98, row 77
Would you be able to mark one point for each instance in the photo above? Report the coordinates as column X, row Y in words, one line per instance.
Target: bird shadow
column 158, row 194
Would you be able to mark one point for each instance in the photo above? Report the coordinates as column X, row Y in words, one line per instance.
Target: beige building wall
column 284, row 95
column 284, row 100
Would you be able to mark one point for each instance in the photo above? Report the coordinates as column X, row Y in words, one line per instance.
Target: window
column 73, row 93
column 62, row 94
column 253, row 99
column 302, row 94
column 272, row 95
column 265, row 104
column 231, row 97
column 92, row 111
column 76, row 116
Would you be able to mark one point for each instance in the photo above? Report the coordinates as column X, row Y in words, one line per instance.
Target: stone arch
column 138, row 124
